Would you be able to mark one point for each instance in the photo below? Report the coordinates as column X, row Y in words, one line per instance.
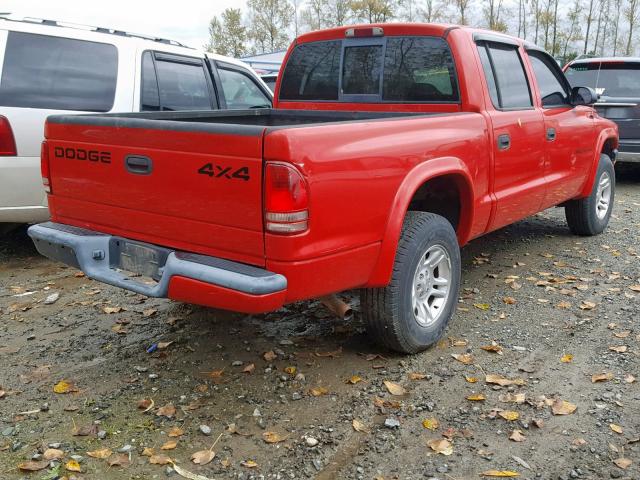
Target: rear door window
column 175, row 82
column 503, row 66
column 240, row 91
column 42, row 71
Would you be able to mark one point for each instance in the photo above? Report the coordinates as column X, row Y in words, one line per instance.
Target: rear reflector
column 7, row 141
column 44, row 166
column 286, row 199
column 364, row 32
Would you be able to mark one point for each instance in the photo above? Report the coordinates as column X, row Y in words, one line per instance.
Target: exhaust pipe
column 336, row 306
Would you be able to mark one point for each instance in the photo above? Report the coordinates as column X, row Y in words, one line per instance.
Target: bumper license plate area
column 137, row 259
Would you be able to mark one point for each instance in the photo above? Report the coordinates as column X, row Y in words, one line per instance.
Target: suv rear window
column 609, row 79
column 413, row 69
column 42, row 71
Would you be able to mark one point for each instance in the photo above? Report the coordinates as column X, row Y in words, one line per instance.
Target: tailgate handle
column 138, row 165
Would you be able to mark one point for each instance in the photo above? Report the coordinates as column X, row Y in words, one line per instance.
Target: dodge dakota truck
column 388, row 148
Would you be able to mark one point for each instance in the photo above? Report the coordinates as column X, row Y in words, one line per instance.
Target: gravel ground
column 300, row 394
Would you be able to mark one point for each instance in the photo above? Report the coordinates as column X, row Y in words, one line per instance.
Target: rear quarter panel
column 358, row 180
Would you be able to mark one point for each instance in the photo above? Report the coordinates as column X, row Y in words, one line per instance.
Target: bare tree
column 492, row 10
column 316, row 14
column 374, row 11
column 572, row 33
column 227, row 35
column 269, row 21
column 617, row 6
column 431, row 11
column 632, row 15
column 340, row 12
column 589, row 20
column 462, row 8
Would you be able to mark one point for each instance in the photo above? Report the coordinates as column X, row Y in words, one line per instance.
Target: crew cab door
column 517, row 131
column 569, row 131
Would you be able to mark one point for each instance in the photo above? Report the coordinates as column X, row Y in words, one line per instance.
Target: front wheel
column 411, row 313
column 590, row 215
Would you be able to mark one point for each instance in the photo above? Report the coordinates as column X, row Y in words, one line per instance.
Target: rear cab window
column 390, row 69
column 55, row 73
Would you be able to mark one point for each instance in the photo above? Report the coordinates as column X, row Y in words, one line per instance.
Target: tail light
column 7, row 141
column 286, row 199
column 44, row 166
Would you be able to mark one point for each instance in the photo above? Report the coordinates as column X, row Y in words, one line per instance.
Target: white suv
column 48, row 67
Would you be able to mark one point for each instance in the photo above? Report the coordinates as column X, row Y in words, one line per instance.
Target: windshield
column 609, row 79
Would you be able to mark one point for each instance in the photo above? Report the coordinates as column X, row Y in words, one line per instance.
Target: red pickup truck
column 388, row 147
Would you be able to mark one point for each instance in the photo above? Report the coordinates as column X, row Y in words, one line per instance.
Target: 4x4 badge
column 218, row 171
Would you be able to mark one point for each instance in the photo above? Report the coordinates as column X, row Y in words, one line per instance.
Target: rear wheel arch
column 607, row 143
column 438, row 180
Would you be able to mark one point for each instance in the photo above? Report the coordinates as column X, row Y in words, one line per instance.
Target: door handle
column 551, row 134
column 504, row 142
column 138, row 165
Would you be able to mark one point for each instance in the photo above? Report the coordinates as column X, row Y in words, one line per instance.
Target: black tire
column 581, row 214
column 388, row 311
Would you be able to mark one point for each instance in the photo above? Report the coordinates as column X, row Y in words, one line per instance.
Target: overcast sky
column 183, row 20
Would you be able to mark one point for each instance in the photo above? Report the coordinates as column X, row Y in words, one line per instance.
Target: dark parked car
column 617, row 80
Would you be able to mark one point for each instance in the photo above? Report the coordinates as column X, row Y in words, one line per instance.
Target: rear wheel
column 411, row 313
column 590, row 215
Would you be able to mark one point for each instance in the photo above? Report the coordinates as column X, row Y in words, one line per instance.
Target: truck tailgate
column 189, row 186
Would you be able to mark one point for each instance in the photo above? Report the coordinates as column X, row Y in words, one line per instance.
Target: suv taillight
column 286, row 199
column 44, row 166
column 7, row 141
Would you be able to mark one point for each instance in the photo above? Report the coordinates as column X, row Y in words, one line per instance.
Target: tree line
column 565, row 29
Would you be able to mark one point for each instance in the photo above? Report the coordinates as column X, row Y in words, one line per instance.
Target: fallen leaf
column 167, row 411
column 354, row 379
column 394, row 388
column 101, row 453
column 358, row 426
column 499, row 473
column 465, row 358
column 215, row 373
column 159, row 460
column 290, row 370
column 380, row 403
column 512, row 397
column 112, row 310
column 33, row 466
column 430, row 424
column 493, row 348
column 566, row 358
column 273, row 437
column 578, row 442
column 164, row 345
column 502, row 381
column 471, row 379
column 203, row 457
column 148, row 452
column 73, row 466
column 85, row 430
column 623, row 463
column 537, row 422
column 119, row 329
column 619, row 348
column 249, row 368
column 562, row 407
column 249, row 464
column 187, row 474
column 441, row 445
column 564, row 305
column 478, row 397
column 64, row 386
column 615, row 428
column 601, row 377
column 517, row 436
column 119, row 460
column 628, row 378
column 52, row 454
column 587, row 305
column 509, row 300
column 482, row 306
column 623, row 334
column 146, row 405
column 509, row 415
column 175, row 432
column 318, row 391
column 635, row 288
column 149, row 312
column 269, row 356
column 170, row 445
column 332, row 354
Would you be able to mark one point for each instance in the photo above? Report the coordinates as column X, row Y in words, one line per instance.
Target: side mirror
column 583, row 96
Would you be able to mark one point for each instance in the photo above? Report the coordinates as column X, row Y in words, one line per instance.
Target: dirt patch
column 532, row 292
